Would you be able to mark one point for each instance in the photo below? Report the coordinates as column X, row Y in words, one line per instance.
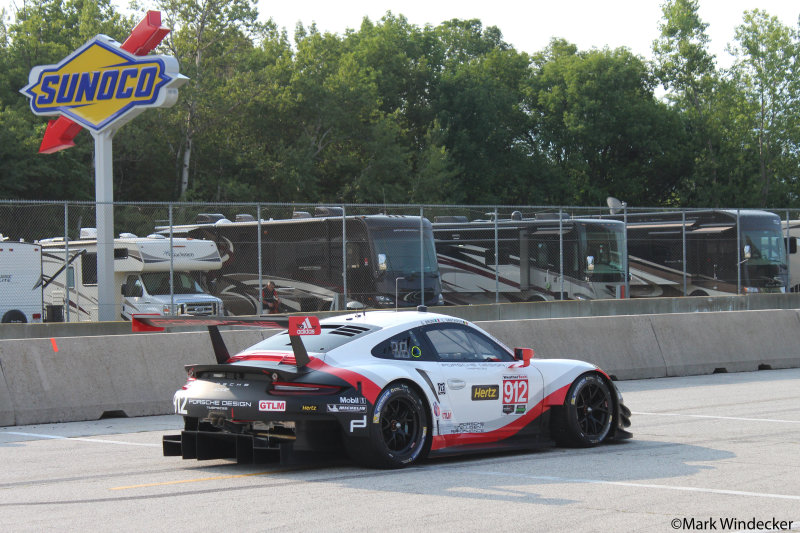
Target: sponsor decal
column 358, row 423
column 515, row 390
column 442, row 388
column 469, row 427
column 179, row 403
column 485, row 392
column 353, row 400
column 308, row 408
column 436, row 410
column 339, row 408
column 508, row 409
column 271, row 405
column 447, row 415
column 218, row 403
column 304, row 325
column 376, row 418
column 520, row 410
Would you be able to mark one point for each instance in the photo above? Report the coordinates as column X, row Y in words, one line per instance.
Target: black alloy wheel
column 587, row 415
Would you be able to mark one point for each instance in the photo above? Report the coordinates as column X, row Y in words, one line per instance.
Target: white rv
column 142, row 280
column 20, row 281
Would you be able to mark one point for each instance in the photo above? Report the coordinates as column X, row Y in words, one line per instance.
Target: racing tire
column 399, row 430
column 588, row 412
column 14, row 317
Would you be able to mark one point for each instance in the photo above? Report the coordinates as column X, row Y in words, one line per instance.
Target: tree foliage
column 391, row 112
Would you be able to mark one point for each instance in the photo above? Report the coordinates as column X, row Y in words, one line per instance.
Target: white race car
column 390, row 387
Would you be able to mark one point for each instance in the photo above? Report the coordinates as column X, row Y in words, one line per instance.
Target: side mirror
column 590, row 263
column 748, row 251
column 523, row 354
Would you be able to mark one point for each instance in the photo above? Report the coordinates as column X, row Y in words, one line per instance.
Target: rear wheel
column 399, row 431
column 587, row 413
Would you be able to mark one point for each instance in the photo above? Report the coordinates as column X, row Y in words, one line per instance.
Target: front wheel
column 587, row 414
column 399, row 431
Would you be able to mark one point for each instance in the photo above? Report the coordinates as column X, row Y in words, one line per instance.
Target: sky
column 529, row 25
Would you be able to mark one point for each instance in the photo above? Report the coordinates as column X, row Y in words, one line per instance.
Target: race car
column 391, row 388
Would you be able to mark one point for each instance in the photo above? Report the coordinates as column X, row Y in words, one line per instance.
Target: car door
column 491, row 396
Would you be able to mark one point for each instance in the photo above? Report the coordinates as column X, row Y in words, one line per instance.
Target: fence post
column 496, row 260
column 344, row 259
column 788, row 286
column 260, row 304
column 421, row 258
column 625, row 254
column 738, row 254
column 66, row 262
column 560, row 254
column 683, row 243
column 171, row 264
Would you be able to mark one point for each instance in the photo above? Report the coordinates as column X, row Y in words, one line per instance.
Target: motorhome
column 543, row 258
column 20, row 281
column 142, row 280
column 386, row 261
column 712, row 252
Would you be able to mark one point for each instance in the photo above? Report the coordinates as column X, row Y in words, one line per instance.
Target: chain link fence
column 215, row 258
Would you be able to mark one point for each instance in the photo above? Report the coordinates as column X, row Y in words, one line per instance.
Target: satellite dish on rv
column 615, row 205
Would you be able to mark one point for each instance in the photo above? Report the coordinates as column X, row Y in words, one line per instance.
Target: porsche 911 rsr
column 391, row 387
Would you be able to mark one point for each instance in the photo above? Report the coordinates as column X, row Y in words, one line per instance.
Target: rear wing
column 297, row 326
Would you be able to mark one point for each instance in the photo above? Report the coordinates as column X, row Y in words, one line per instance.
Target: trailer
column 142, row 280
column 20, row 282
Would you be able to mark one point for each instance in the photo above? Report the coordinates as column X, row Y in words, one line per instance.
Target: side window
column 455, row 343
column 403, row 346
column 89, row 269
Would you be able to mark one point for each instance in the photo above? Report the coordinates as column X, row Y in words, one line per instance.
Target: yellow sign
column 100, row 84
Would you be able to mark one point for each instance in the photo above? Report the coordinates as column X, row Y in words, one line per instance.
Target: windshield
column 766, row 247
column 157, row 283
column 397, row 251
column 604, row 246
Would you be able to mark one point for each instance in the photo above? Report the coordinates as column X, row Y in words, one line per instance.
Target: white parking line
column 740, row 419
column 639, row 485
column 103, row 441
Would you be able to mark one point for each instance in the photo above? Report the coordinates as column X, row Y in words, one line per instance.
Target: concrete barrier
column 702, row 343
column 625, row 347
column 86, row 378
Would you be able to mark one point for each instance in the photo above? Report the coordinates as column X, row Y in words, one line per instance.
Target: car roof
column 385, row 319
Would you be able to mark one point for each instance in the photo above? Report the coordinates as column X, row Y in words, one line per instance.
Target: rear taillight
column 189, row 381
column 281, row 388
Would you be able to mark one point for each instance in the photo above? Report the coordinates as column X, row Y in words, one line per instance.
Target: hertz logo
column 100, row 83
column 485, row 392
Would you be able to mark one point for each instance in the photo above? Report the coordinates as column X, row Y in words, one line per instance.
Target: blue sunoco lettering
column 50, row 92
column 123, row 91
column 147, row 78
column 108, row 83
column 88, row 86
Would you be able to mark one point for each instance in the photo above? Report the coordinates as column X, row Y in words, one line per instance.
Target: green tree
column 766, row 66
column 600, row 127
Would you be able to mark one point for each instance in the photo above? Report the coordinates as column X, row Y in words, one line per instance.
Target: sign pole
column 104, row 206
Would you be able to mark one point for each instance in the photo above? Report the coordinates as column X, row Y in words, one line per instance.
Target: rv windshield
column 766, row 246
column 158, row 283
column 397, row 250
column 605, row 246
